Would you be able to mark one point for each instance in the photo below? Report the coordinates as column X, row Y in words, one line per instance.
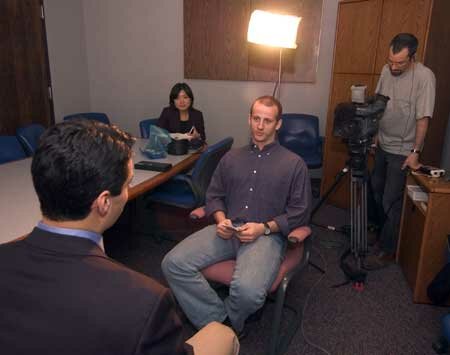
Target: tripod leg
column 337, row 179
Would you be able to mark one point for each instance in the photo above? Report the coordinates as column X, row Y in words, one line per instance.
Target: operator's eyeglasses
column 401, row 64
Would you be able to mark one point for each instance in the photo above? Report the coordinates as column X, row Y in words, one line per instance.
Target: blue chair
column 29, row 137
column 188, row 191
column 10, row 149
column 98, row 116
column 144, row 126
column 300, row 134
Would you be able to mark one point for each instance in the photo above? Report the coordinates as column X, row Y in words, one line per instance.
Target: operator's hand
column 412, row 161
column 249, row 232
column 223, row 229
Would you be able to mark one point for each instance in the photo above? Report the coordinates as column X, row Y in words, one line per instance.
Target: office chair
column 296, row 259
column 29, row 137
column 188, row 190
column 10, row 149
column 300, row 134
column 98, row 116
column 144, row 126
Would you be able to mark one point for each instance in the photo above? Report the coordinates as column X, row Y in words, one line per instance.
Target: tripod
column 357, row 166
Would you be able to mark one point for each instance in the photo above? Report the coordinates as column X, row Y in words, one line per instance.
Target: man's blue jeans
column 257, row 265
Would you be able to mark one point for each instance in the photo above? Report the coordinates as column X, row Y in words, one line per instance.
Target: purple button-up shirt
column 262, row 185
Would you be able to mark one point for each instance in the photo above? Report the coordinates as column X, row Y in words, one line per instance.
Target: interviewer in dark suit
column 59, row 292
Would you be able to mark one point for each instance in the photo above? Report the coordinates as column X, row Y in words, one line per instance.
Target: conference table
column 19, row 205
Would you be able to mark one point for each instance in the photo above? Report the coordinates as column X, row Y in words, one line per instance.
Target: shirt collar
column 267, row 148
column 81, row 233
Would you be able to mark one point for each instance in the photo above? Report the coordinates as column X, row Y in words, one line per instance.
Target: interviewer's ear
column 103, row 203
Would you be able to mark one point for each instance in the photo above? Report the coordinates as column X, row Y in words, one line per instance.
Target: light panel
column 273, row 29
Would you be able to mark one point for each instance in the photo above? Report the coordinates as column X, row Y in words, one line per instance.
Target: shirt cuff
column 282, row 224
column 214, row 206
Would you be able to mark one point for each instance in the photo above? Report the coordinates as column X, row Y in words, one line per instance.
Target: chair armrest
column 299, row 234
column 198, row 213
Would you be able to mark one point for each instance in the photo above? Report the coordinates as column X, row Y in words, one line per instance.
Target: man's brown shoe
column 378, row 261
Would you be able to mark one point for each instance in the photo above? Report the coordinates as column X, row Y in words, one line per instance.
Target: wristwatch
column 267, row 230
column 417, row 151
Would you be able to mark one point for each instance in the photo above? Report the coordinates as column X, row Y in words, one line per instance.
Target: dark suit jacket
column 63, row 295
column 170, row 120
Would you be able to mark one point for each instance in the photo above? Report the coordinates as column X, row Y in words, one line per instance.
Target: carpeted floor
column 379, row 320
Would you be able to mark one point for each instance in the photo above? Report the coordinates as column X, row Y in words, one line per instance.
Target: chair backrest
column 29, row 137
column 205, row 166
column 300, row 134
column 10, row 149
column 144, row 126
column 98, row 116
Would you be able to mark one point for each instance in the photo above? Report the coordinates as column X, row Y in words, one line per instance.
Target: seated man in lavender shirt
column 265, row 189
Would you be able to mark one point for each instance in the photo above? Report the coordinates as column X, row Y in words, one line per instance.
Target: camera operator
column 402, row 129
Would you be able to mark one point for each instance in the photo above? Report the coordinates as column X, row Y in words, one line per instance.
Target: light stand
column 273, row 30
column 278, row 83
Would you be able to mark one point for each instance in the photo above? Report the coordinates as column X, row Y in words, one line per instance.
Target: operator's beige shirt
column 412, row 96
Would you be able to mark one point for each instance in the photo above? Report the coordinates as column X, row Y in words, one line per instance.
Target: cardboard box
column 416, row 193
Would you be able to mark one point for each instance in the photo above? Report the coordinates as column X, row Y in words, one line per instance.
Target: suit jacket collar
column 63, row 243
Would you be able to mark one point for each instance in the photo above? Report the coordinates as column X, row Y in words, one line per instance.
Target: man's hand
column 223, row 229
column 249, row 232
column 412, row 161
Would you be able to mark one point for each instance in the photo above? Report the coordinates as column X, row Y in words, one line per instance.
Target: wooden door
column 356, row 36
column 24, row 70
column 399, row 16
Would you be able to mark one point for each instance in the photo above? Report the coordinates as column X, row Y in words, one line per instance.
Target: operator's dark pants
column 388, row 183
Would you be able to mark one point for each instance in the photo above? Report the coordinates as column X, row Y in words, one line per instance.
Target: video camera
column 359, row 123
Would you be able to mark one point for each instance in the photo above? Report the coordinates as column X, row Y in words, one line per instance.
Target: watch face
column 266, row 231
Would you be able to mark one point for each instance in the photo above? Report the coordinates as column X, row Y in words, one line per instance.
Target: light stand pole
column 278, row 83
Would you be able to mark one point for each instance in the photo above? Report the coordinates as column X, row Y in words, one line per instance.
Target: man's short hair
column 268, row 101
column 405, row 40
column 75, row 161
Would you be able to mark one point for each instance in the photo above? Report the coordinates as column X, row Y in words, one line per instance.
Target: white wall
column 67, row 56
column 135, row 54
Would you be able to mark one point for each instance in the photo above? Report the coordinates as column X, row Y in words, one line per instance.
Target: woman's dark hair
column 405, row 40
column 176, row 90
column 75, row 161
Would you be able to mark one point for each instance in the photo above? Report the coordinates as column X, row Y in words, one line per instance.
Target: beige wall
column 135, row 54
column 67, row 56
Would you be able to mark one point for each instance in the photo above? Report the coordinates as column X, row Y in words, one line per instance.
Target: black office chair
column 98, row 116
column 188, row 190
column 300, row 134
column 144, row 126
column 29, row 137
column 10, row 149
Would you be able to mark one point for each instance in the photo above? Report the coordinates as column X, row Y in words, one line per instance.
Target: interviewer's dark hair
column 176, row 90
column 268, row 101
column 405, row 40
column 75, row 161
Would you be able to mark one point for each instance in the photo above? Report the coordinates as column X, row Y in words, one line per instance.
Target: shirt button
column 254, row 171
column 251, row 188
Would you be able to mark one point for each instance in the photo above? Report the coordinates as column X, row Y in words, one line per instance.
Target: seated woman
column 180, row 116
